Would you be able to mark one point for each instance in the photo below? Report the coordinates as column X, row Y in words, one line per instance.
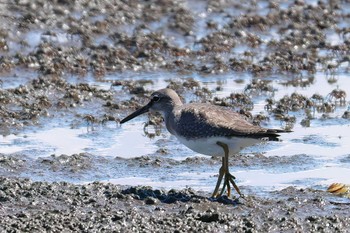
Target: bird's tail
column 273, row 134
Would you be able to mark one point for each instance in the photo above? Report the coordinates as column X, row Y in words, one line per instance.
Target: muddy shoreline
column 42, row 206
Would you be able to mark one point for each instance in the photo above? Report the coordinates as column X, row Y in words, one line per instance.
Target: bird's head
column 163, row 101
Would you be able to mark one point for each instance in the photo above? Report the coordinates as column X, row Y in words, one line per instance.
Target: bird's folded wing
column 205, row 120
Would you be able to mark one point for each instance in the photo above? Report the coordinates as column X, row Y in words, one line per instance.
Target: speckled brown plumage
column 197, row 120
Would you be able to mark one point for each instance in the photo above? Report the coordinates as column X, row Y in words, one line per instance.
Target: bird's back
column 193, row 121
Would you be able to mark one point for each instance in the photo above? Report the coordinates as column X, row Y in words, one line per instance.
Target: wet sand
column 41, row 206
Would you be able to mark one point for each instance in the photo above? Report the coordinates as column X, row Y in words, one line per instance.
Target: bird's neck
column 169, row 120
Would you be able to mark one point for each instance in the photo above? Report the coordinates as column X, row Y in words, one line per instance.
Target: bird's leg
column 228, row 177
column 221, row 174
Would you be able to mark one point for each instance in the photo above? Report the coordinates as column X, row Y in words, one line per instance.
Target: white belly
column 208, row 146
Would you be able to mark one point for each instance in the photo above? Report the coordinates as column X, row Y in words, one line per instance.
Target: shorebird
column 207, row 129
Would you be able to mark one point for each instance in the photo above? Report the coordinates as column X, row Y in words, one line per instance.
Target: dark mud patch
column 74, row 168
column 255, row 161
column 85, row 167
column 68, row 163
column 47, row 96
column 316, row 140
column 345, row 159
column 12, row 163
column 258, row 161
column 42, row 206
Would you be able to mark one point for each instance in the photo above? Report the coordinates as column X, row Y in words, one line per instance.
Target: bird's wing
column 203, row 120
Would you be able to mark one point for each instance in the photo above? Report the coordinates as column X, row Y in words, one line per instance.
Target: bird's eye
column 155, row 98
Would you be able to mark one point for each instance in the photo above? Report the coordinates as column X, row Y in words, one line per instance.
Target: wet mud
column 83, row 64
column 42, row 206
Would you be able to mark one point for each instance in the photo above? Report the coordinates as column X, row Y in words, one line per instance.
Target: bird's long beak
column 137, row 112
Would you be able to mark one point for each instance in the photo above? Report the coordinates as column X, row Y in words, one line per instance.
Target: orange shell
column 338, row 188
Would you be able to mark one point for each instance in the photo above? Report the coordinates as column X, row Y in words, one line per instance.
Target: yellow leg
column 224, row 170
column 221, row 175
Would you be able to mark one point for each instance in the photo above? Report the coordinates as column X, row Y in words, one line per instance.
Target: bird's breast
column 209, row 146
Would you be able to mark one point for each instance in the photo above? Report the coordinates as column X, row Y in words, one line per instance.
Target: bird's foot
column 228, row 180
column 231, row 179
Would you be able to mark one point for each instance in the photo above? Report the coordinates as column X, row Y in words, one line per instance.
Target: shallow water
column 325, row 145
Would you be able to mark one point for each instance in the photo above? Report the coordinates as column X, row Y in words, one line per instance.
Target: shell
column 339, row 189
